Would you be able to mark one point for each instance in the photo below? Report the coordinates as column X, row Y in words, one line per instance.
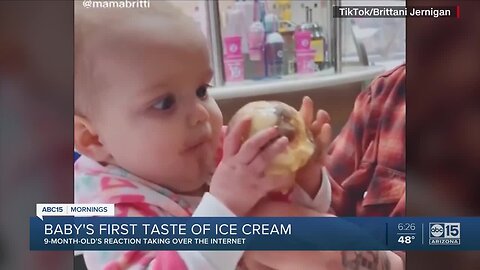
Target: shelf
column 293, row 83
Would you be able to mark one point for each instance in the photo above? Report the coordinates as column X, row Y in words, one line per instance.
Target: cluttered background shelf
column 296, row 83
column 334, row 93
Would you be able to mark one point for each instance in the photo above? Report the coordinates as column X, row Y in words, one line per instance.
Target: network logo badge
column 444, row 234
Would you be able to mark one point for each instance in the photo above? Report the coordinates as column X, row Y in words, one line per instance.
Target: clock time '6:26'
column 406, row 226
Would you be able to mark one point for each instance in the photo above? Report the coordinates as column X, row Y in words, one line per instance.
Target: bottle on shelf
column 284, row 12
column 255, row 61
column 256, row 33
column 318, row 40
column 233, row 57
column 287, row 29
column 274, row 45
column 303, row 53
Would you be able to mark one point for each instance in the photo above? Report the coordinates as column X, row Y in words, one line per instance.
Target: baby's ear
column 87, row 141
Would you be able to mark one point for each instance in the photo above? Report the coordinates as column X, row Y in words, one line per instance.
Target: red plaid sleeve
column 366, row 162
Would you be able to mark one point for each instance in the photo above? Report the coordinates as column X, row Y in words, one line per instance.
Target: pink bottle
column 305, row 56
column 233, row 59
column 232, row 45
column 234, row 69
column 302, row 40
column 305, row 61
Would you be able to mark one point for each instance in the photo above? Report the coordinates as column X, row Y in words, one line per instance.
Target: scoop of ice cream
column 265, row 114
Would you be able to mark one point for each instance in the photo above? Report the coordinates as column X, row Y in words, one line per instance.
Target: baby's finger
column 306, row 110
column 278, row 182
column 322, row 118
column 322, row 141
column 250, row 149
column 260, row 163
column 325, row 135
column 315, row 128
column 234, row 137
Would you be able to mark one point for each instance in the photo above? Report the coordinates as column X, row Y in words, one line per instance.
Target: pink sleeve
column 138, row 259
column 164, row 260
column 168, row 260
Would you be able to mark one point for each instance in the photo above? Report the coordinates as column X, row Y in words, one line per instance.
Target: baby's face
column 156, row 117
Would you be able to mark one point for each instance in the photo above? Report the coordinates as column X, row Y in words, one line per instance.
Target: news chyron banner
column 94, row 227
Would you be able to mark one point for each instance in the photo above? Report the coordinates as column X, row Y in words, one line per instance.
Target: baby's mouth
column 197, row 144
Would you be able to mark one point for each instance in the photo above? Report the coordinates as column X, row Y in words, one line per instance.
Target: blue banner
column 300, row 233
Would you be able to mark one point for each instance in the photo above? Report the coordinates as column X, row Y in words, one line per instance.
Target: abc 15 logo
column 444, row 230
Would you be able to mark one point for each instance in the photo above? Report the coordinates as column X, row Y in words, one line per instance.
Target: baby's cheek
column 216, row 122
column 216, row 116
column 152, row 151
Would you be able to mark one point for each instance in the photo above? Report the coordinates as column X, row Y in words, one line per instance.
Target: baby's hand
column 309, row 177
column 240, row 181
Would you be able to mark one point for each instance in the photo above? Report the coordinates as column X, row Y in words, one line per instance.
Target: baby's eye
column 165, row 103
column 202, row 91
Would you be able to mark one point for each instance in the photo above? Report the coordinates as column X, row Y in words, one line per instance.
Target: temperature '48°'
column 406, row 239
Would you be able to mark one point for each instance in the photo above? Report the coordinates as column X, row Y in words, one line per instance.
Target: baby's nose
column 199, row 114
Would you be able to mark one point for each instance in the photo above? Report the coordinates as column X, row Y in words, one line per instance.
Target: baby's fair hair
column 93, row 24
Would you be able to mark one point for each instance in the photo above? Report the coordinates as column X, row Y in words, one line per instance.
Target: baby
column 150, row 135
